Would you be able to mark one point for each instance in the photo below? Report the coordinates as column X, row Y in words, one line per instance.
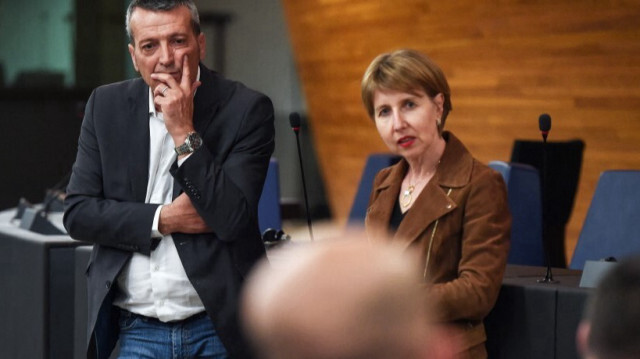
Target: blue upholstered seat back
column 525, row 202
column 375, row 162
column 269, row 204
column 612, row 225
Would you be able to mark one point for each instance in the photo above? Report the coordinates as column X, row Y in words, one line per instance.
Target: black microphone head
column 544, row 121
column 294, row 120
column 269, row 235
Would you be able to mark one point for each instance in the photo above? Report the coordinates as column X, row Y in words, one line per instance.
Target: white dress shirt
column 157, row 285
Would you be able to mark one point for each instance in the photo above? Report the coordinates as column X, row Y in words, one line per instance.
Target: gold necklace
column 407, row 196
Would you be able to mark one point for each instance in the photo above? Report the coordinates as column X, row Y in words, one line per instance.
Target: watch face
column 194, row 140
column 191, row 143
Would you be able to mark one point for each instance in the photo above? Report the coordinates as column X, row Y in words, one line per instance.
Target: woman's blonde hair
column 405, row 70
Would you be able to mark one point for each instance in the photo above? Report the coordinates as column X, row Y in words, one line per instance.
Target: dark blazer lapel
column 205, row 104
column 205, row 108
column 138, row 139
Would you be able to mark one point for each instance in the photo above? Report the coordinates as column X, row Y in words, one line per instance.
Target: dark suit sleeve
column 225, row 189
column 89, row 215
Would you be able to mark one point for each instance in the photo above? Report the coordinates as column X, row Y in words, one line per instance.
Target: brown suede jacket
column 460, row 225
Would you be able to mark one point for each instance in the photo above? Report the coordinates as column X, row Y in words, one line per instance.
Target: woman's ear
column 439, row 101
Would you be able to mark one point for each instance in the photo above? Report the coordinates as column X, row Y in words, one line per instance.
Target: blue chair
column 612, row 225
column 525, row 202
column 375, row 162
column 269, row 204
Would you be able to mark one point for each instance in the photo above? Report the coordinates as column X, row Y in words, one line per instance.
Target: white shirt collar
column 152, row 107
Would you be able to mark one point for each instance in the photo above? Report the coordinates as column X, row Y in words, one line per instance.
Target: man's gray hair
column 162, row 5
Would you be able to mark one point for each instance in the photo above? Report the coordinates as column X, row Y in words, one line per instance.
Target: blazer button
column 107, row 284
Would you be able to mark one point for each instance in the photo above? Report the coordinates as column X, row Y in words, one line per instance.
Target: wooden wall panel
column 507, row 62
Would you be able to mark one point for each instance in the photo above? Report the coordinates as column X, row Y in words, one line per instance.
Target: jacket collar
column 207, row 99
column 137, row 137
column 454, row 171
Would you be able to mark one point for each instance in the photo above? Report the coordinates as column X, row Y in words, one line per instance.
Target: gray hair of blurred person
column 405, row 70
column 342, row 300
column 162, row 5
column 611, row 325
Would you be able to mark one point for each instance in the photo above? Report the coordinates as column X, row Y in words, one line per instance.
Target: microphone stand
column 548, row 278
column 296, row 129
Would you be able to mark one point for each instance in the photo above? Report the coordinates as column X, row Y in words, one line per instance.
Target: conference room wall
column 507, row 62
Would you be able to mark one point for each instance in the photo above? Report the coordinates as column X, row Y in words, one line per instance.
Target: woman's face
column 407, row 121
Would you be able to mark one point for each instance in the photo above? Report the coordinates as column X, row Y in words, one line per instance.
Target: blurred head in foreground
column 339, row 300
column 611, row 326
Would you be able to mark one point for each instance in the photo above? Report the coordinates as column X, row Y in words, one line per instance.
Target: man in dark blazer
column 223, row 138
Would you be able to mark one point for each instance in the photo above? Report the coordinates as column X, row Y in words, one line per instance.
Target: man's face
column 161, row 39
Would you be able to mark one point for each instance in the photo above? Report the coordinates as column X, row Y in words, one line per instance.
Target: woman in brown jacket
column 438, row 200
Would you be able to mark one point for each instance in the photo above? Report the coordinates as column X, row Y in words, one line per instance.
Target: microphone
column 35, row 218
column 544, row 123
column 294, row 121
column 271, row 236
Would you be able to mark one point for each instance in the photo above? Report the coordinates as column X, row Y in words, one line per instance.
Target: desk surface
column 534, row 320
column 565, row 279
column 11, row 227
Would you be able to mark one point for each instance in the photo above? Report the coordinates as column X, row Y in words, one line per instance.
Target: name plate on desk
column 593, row 271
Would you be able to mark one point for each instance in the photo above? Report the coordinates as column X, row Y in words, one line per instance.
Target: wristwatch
column 190, row 145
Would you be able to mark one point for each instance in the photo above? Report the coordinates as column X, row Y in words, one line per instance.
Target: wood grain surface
column 506, row 61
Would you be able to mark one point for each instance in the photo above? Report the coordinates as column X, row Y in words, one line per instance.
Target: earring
column 438, row 122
